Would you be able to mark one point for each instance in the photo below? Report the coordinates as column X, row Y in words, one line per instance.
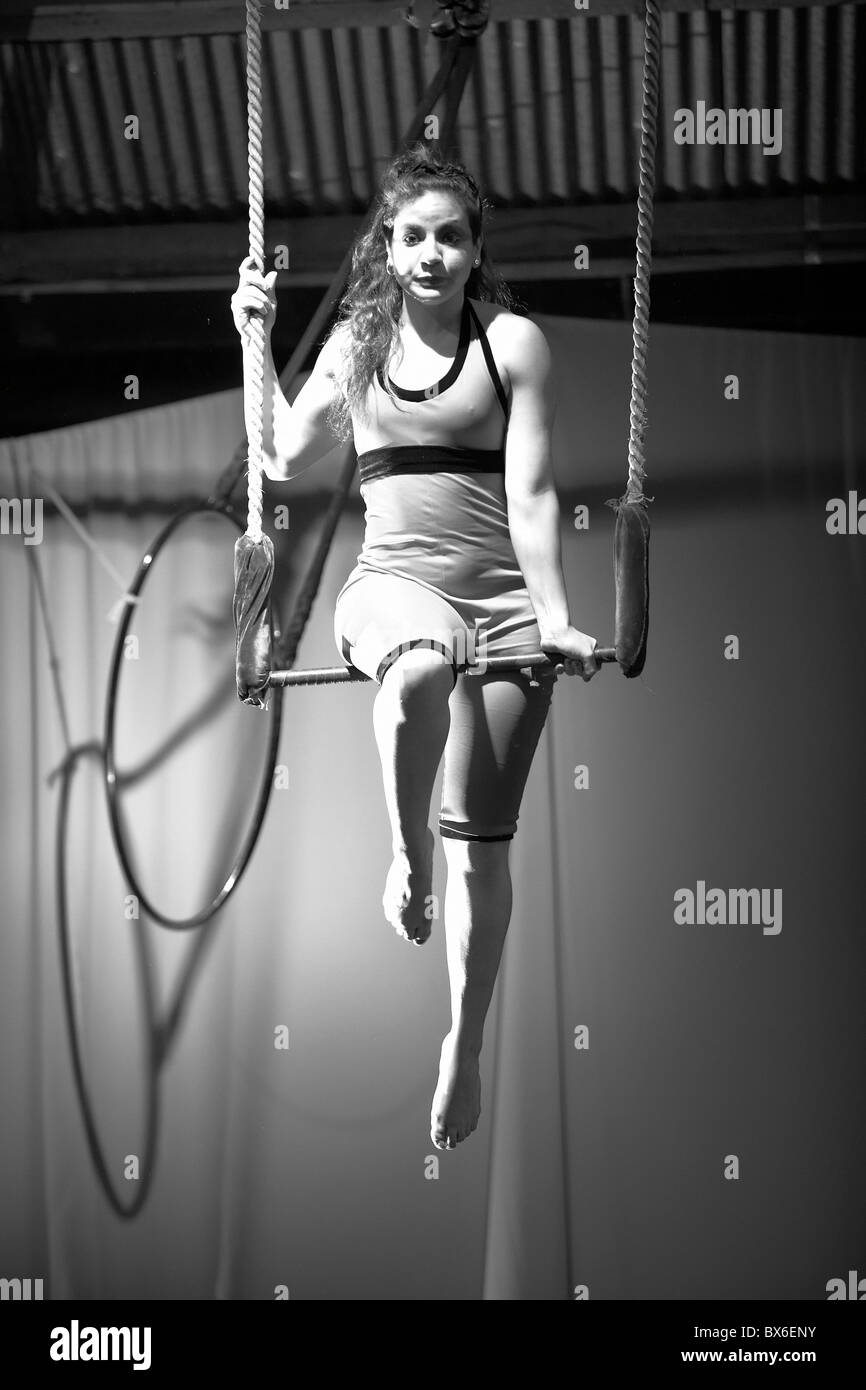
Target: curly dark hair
column 369, row 311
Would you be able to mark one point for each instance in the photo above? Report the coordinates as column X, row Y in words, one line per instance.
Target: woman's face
column 431, row 250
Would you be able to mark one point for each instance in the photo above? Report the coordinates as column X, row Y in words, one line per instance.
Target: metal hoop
column 117, row 831
column 151, row 1121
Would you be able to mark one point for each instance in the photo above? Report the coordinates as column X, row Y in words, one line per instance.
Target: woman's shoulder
column 335, row 348
column 511, row 336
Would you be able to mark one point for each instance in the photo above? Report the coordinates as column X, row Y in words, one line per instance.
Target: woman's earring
column 477, row 260
column 389, row 268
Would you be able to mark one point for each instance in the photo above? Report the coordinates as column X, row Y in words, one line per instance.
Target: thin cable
column 285, row 649
column 67, row 772
column 83, row 535
column 560, row 1022
column 53, row 658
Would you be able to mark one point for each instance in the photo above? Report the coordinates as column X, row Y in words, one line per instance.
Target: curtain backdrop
column 629, row 1059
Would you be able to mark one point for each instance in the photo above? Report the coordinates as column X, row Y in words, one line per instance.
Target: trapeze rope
column 257, row 250
column 643, row 269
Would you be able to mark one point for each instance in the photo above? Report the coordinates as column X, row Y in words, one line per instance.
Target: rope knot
column 468, row 18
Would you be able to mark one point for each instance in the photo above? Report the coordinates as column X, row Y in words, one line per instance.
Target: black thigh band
column 429, row 642
column 448, row 833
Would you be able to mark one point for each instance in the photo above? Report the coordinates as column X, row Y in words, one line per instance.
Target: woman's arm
column 297, row 435
column 533, row 506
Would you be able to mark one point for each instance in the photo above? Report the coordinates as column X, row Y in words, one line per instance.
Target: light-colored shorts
column 496, row 717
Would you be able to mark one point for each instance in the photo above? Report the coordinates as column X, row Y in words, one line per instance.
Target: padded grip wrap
column 631, row 573
column 254, row 571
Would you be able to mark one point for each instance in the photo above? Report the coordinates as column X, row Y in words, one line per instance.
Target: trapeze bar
column 534, row 661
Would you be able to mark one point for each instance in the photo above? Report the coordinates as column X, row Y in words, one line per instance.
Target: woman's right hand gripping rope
column 254, row 298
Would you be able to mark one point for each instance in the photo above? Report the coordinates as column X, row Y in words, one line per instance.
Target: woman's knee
column 477, row 857
column 419, row 675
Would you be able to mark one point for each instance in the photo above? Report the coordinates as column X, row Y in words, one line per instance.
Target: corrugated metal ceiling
column 549, row 115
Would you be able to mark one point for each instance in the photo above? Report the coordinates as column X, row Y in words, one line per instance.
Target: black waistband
column 428, row 458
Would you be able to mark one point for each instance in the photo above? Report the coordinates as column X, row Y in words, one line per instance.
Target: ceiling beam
column 532, row 243
column 42, row 22
column 602, row 268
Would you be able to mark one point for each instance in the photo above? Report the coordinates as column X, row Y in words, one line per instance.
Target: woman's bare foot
column 408, row 889
column 457, row 1101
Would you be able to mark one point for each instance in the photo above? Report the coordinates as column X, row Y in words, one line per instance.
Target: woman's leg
column 411, row 721
column 477, row 913
column 496, row 723
column 403, row 635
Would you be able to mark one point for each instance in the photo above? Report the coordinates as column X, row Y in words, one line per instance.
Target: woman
column 461, row 550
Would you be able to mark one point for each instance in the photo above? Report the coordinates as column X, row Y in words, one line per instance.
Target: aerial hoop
column 111, row 776
column 144, row 974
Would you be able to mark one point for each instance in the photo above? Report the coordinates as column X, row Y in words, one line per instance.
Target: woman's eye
column 409, row 238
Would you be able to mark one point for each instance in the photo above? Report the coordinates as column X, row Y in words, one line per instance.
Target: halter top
column 389, row 459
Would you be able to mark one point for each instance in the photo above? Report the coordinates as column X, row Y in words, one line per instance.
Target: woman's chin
column 437, row 293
